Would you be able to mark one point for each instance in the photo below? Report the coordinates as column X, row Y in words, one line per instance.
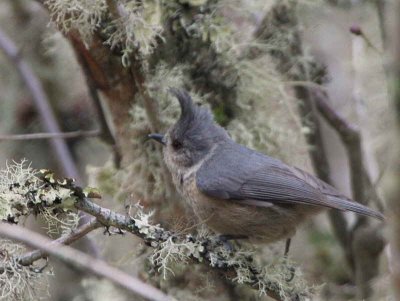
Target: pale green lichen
column 279, row 276
column 106, row 178
column 22, row 193
column 59, row 223
column 137, row 28
column 20, row 282
column 268, row 120
column 142, row 221
column 16, row 180
column 50, row 195
column 168, row 253
column 279, row 273
column 84, row 16
column 207, row 26
column 174, row 250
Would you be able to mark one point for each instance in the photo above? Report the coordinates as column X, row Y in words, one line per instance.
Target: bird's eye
column 176, row 144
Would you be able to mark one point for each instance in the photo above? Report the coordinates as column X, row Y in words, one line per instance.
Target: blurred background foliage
column 133, row 51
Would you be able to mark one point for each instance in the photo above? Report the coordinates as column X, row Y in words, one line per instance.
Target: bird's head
column 192, row 137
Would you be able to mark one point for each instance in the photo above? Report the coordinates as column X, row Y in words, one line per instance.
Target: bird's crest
column 194, row 120
column 185, row 101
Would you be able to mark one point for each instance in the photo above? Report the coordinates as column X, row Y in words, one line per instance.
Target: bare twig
column 82, row 261
column 65, row 135
column 357, row 31
column 392, row 179
column 351, row 139
column 350, row 136
column 42, row 104
column 366, row 258
column 31, row 257
column 380, row 8
column 106, row 134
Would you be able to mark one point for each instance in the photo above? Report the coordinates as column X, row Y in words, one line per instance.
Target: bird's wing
column 238, row 173
column 335, row 197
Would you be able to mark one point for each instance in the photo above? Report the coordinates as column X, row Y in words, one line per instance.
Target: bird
column 239, row 192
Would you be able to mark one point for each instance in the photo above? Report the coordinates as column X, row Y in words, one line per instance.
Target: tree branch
column 31, row 257
column 156, row 236
column 351, row 139
column 392, row 179
column 238, row 265
column 64, row 135
column 82, row 261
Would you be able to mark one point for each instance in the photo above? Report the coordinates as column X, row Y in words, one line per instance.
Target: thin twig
column 366, row 261
column 357, row 31
column 32, row 256
column 83, row 261
column 106, row 134
column 67, row 135
column 350, row 136
column 392, row 179
column 308, row 84
column 351, row 139
column 42, row 104
column 380, row 8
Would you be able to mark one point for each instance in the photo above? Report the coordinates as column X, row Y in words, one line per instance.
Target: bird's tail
column 342, row 203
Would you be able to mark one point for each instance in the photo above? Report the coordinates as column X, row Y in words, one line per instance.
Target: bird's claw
column 225, row 239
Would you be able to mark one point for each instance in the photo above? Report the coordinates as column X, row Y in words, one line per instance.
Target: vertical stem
column 392, row 179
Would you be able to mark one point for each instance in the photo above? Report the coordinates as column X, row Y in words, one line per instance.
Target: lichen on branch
column 42, row 189
column 82, row 15
column 19, row 282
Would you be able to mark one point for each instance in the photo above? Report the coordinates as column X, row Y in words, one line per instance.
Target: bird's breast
column 228, row 217
column 231, row 218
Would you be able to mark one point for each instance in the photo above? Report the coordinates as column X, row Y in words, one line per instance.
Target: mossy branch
column 84, row 262
column 42, row 190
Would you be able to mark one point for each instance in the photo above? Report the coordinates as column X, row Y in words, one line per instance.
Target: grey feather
column 195, row 121
column 254, row 178
column 195, row 129
column 230, row 171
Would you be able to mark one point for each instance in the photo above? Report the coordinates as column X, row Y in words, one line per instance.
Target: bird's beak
column 158, row 137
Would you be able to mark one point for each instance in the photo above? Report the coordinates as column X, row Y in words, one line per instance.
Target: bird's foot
column 287, row 248
column 292, row 272
column 226, row 238
column 291, row 269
